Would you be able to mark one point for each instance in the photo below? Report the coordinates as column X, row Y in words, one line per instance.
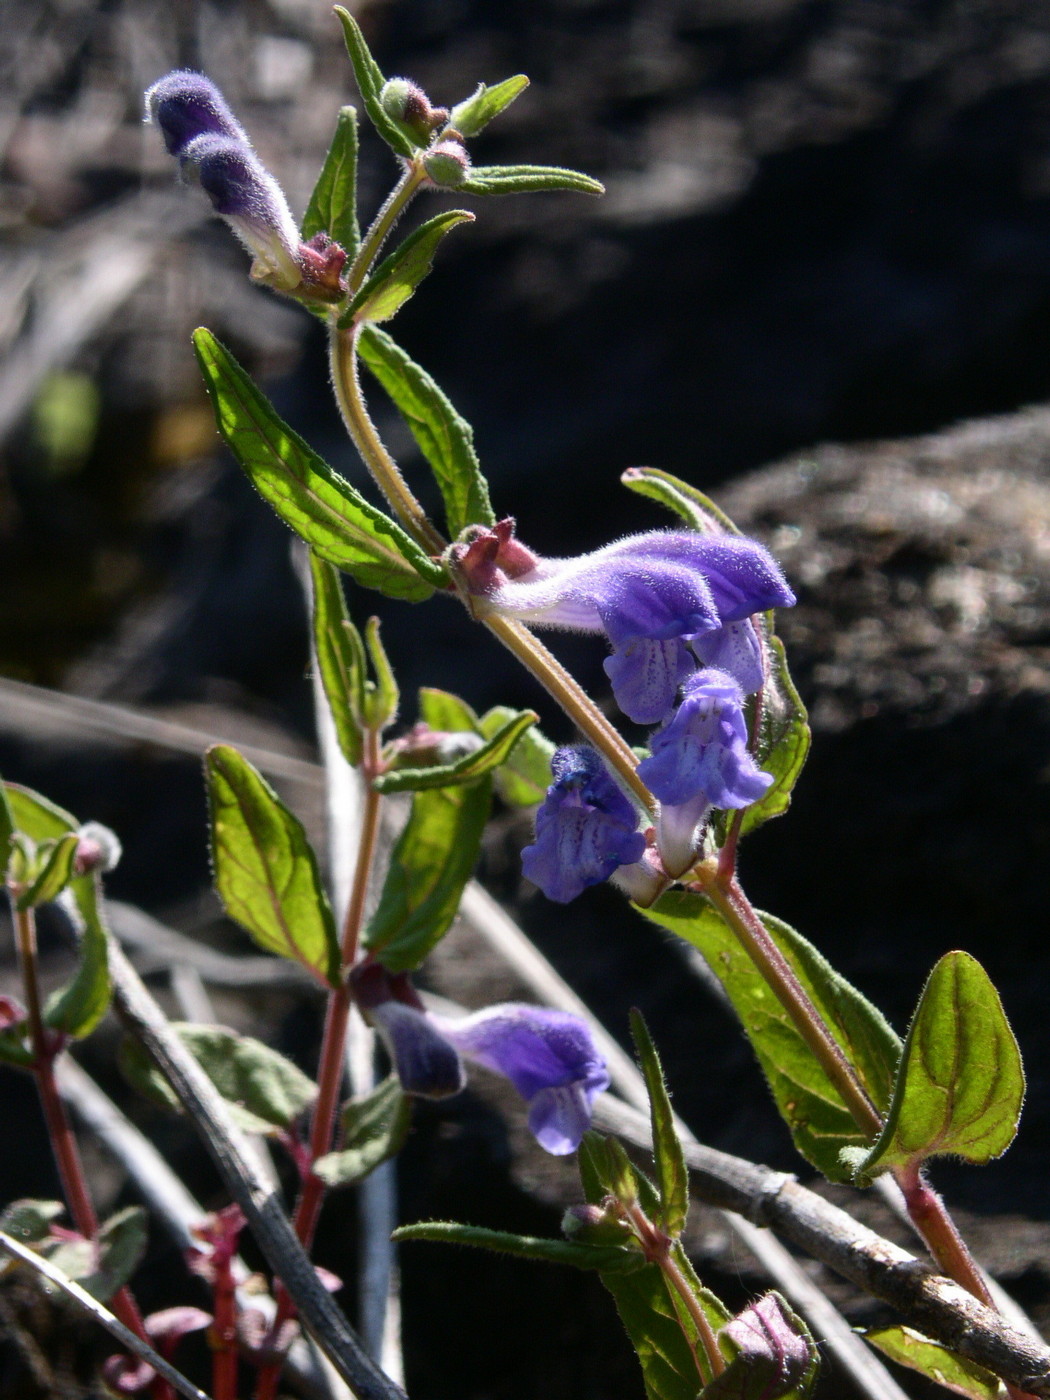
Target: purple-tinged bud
column 586, row 828
column 252, row 203
column 550, row 1058
column 185, row 105
column 447, row 164
column 700, row 760
column 98, row 848
column 407, row 104
column 598, row 1225
column 423, row 747
column 773, row 1348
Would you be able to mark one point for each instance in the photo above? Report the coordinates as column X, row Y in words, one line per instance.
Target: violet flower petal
column 425, row 1061
column 185, row 104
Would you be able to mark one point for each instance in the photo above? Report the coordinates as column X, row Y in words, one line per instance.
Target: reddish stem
column 333, row 1043
column 224, row 1331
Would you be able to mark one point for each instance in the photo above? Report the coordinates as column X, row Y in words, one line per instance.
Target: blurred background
column 818, row 287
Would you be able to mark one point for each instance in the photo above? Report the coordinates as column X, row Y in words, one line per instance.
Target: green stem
column 385, row 471
column 737, row 911
column 575, row 701
column 395, row 204
column 658, row 1249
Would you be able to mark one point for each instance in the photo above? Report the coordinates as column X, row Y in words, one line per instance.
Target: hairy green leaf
column 468, row 769
column 340, row 657
column 672, row 1177
column 383, row 697
column 327, row 512
column 527, row 179
column 441, row 710
column 934, row 1361
column 523, row 778
column 265, row 870
column 266, row 1092
column 445, row 439
column 77, row 1007
column 399, row 274
column 476, row 111
column 370, row 81
column 697, row 510
column 333, row 205
column 374, row 1129
column 581, row 1256
column 54, row 874
column 960, row 1086
column 433, row 859
column 820, row 1122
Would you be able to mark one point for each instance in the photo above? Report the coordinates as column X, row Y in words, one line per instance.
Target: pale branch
column 266, row 1216
column 927, row 1301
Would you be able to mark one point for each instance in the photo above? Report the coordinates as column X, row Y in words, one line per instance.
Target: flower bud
column 447, row 164
column 408, row 105
column 98, row 848
column 423, row 747
column 597, row 1225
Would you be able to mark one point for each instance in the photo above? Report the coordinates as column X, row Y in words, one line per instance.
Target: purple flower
column 655, row 596
column 211, row 146
column 549, row 1057
column 699, row 760
column 585, row 828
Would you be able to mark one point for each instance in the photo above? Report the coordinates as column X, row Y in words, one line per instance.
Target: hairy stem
column 395, row 204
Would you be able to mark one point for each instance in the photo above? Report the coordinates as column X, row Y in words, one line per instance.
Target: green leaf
column 15, row 1049
column 443, row 711
column 672, row 1177
column 611, row 1260
column 332, row 517
column 340, row 657
column 122, row 1244
column 468, row 769
column 265, row 870
column 527, row 179
column 374, row 1128
column 960, row 1086
column 29, row 1220
column 934, row 1361
column 445, row 439
column 383, row 698
column 370, row 81
column 433, row 859
column 78, row 1006
column 523, row 778
column 820, row 1122
column 333, row 205
column 55, row 873
column 399, row 274
column 265, row 1092
column 7, row 828
column 476, row 111
column 783, row 737
column 697, row 510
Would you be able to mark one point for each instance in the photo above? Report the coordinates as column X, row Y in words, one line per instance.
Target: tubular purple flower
column 655, row 596
column 211, row 145
column 549, row 1057
column 586, row 828
column 699, row 760
column 184, row 105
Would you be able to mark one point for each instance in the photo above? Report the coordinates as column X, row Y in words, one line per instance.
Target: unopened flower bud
column 407, row 104
column 447, row 164
column 98, row 848
column 598, row 1225
column 423, row 747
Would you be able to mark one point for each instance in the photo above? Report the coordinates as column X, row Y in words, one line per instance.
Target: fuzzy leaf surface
column 476, row 111
column 55, row 874
column 399, row 274
column 820, row 1122
column 672, row 1176
column 523, row 778
column 443, row 436
column 340, row 657
column 934, row 1361
column 374, row 1128
column 469, row 768
column 265, row 870
column 580, row 1256
column 327, row 512
column 527, row 179
column 333, row 205
column 961, row 1085
column 370, row 82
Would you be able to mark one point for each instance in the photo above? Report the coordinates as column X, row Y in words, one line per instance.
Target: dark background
column 825, row 223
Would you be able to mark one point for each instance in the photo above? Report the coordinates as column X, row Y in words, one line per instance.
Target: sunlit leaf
column 475, row 112
column 333, row 205
column 399, row 274
column 527, row 179
column 370, row 82
column 525, row 775
column 934, row 1361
